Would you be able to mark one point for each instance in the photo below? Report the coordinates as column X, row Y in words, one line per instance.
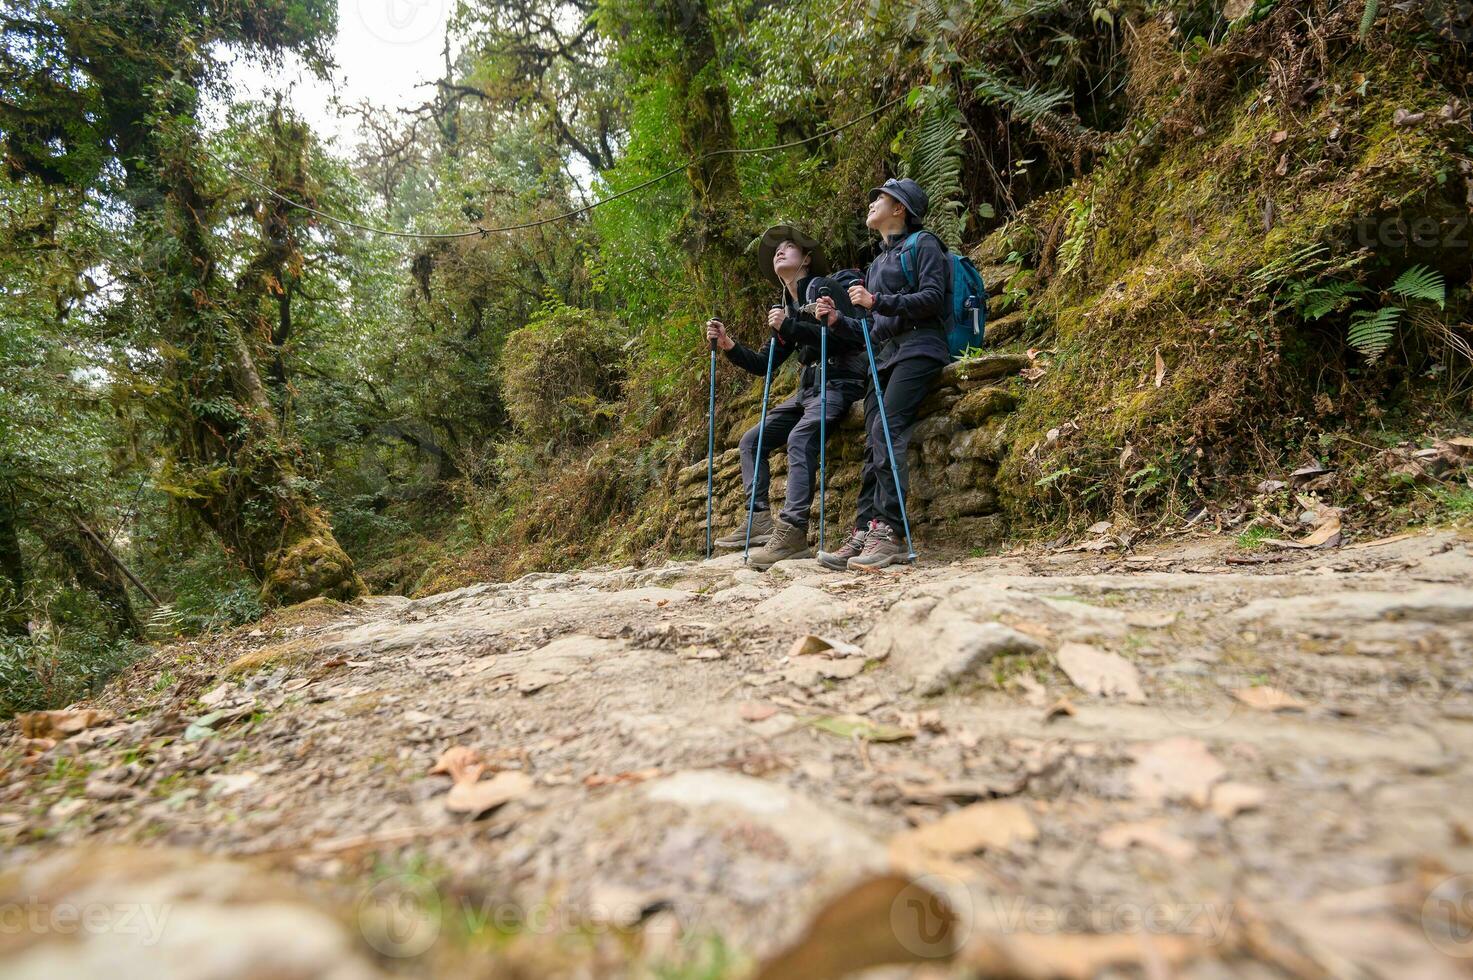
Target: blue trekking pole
column 710, row 448
column 758, row 462
column 874, row 374
column 823, row 418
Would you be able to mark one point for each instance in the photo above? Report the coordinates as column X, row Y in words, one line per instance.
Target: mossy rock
column 982, row 404
column 292, row 653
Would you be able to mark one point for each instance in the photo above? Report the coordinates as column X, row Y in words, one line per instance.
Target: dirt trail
column 1161, row 764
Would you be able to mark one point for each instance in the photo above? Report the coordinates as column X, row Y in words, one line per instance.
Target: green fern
column 1421, row 282
column 935, row 162
column 1315, row 300
column 1368, row 18
column 1027, row 102
column 1370, row 333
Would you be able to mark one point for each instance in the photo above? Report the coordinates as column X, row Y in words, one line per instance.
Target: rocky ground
column 1188, row 760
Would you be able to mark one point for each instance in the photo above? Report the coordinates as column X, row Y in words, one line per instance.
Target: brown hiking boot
column 788, row 541
column 880, row 549
column 761, row 532
column 839, row 560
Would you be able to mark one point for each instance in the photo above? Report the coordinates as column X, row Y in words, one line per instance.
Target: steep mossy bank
column 1171, row 287
column 1187, row 307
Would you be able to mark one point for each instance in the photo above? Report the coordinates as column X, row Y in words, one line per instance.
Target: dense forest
column 1236, row 238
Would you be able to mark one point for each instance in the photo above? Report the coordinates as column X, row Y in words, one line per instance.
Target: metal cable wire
column 483, row 232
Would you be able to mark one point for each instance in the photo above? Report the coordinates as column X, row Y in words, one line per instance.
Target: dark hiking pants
column 906, row 384
column 794, row 424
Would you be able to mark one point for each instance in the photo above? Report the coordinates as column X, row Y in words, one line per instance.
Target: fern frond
column 935, row 162
column 1421, row 282
column 1368, row 18
column 1370, row 333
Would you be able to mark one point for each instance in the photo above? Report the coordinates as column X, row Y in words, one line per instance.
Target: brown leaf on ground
column 1064, row 956
column 1147, row 833
column 1060, row 708
column 460, row 763
column 59, row 724
column 476, row 797
column 1230, row 799
column 1326, row 528
column 1268, row 699
column 756, row 711
column 1174, row 769
column 1160, row 369
column 992, row 824
column 1099, row 672
column 813, row 645
column 884, row 920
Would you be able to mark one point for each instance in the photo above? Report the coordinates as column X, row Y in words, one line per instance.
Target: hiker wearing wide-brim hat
column 795, row 261
column 904, row 303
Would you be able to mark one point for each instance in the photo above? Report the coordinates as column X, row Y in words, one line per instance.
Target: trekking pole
column 710, row 448
column 757, row 463
column 823, row 418
column 874, row 374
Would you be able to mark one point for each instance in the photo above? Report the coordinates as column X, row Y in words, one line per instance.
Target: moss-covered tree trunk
column 13, row 618
column 713, row 229
column 233, row 464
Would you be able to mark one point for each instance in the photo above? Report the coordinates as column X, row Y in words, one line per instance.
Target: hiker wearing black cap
column 793, row 260
column 905, row 296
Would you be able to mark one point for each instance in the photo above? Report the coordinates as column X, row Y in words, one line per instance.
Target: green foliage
column 935, row 162
column 1371, row 331
column 562, row 375
column 51, row 670
column 1421, row 282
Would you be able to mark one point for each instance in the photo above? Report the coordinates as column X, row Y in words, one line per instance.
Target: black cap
column 910, row 194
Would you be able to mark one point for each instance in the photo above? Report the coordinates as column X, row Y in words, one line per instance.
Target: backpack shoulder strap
column 907, row 253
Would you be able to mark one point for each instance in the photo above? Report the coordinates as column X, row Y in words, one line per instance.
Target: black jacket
column 799, row 334
column 909, row 321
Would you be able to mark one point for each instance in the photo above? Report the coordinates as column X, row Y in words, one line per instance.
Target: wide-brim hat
column 910, row 194
column 775, row 236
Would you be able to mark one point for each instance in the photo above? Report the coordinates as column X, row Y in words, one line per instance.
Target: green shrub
column 562, row 375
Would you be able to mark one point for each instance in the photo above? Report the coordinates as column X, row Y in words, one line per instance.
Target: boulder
column 980, row 404
column 977, row 371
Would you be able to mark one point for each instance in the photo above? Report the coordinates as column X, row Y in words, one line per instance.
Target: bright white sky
column 385, row 50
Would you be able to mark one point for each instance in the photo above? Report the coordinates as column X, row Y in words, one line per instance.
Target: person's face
column 789, row 260
column 882, row 211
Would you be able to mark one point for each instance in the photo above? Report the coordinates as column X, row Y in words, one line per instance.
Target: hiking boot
column 761, row 532
column 880, row 549
column 788, row 541
column 839, row 560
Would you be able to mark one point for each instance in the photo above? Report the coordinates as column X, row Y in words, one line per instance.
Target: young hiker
column 790, row 258
column 909, row 320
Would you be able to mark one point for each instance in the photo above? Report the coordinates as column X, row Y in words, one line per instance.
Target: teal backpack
column 968, row 297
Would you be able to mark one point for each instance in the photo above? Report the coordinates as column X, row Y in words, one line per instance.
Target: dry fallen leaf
column 1160, row 369
column 754, row 711
column 1057, row 955
column 1147, row 833
column 1174, row 769
column 459, row 762
column 889, row 919
column 1230, row 799
column 812, row 645
column 475, row 797
column 1268, row 699
column 1097, row 671
column 1326, row 527
column 991, row 824
column 60, row 724
column 1060, row 708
